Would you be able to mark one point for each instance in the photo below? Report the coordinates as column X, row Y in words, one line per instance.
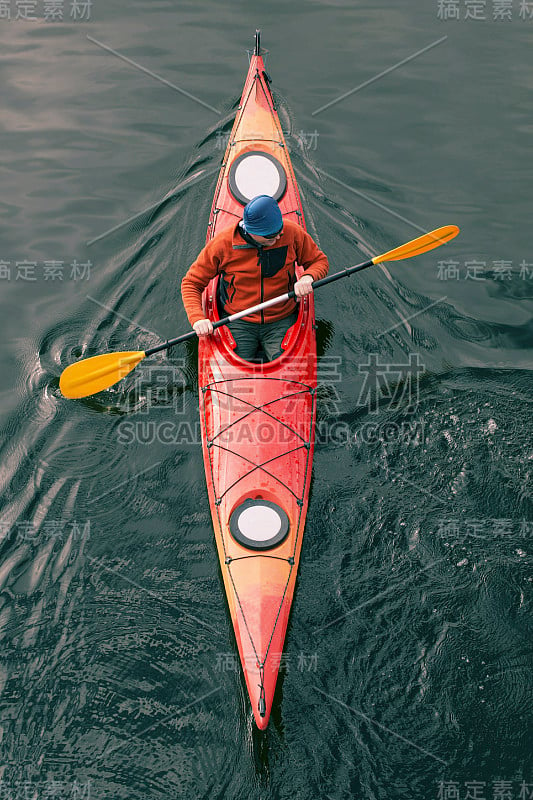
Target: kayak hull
column 258, row 419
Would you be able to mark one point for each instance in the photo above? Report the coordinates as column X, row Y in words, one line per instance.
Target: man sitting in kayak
column 256, row 261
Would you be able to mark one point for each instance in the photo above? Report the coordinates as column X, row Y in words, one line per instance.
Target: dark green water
column 407, row 671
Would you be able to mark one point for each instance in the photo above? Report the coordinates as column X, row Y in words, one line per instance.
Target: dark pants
column 250, row 335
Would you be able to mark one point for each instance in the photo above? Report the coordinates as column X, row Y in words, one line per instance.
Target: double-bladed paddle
column 92, row 375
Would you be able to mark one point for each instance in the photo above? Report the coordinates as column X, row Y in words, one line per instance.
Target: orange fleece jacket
column 248, row 277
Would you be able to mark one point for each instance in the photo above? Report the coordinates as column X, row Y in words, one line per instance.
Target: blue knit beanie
column 262, row 216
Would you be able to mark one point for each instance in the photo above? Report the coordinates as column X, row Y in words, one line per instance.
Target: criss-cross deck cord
column 302, row 390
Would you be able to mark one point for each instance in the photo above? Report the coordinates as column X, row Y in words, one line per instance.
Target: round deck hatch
column 259, row 524
column 256, row 172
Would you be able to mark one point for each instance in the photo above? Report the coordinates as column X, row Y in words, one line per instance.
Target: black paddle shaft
column 228, row 320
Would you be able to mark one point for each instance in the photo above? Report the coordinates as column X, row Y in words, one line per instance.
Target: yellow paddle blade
column 94, row 374
column 421, row 245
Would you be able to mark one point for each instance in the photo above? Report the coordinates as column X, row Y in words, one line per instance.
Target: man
column 256, row 261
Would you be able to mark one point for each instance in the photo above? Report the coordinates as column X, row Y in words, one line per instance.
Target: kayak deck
column 258, row 419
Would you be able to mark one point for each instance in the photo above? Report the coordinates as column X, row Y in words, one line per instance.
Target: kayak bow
column 258, row 420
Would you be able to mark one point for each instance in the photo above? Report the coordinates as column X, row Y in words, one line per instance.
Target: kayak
column 258, row 419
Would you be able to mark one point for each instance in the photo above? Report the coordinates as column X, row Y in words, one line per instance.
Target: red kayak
column 258, row 419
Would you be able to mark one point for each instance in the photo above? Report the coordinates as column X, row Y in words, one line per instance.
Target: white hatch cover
column 256, row 172
column 259, row 524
